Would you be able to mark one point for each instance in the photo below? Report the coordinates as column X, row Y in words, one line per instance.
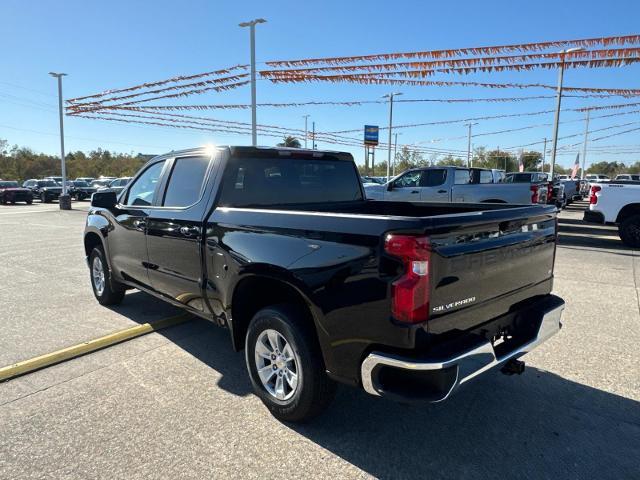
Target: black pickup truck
column 317, row 284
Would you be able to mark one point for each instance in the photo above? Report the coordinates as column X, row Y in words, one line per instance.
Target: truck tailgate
column 481, row 270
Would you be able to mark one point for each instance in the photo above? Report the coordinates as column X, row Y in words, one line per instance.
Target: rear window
column 277, row 181
column 486, row 176
column 518, row 178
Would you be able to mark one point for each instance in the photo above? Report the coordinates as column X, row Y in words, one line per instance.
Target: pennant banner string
column 486, row 50
column 463, row 62
column 219, row 88
column 202, row 83
column 179, row 78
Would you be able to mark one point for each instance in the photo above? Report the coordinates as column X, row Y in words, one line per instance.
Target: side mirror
column 107, row 199
column 389, row 186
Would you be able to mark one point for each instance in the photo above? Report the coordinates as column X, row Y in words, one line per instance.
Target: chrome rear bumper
column 450, row 373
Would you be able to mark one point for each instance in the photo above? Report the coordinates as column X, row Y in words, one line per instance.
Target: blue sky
column 103, row 45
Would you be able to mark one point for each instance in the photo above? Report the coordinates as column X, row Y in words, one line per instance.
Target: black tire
column 629, row 230
column 314, row 390
column 29, row 201
column 44, row 198
column 111, row 292
column 80, row 197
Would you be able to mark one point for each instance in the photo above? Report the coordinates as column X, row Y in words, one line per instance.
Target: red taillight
column 534, row 193
column 593, row 199
column 550, row 192
column 410, row 293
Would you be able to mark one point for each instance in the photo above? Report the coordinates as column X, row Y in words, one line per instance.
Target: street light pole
column 558, row 103
column 63, row 201
column 544, row 154
column 252, row 27
column 306, row 117
column 584, row 147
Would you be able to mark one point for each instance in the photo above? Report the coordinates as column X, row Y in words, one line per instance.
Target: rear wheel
column 106, row 290
column 285, row 364
column 29, row 201
column 629, row 230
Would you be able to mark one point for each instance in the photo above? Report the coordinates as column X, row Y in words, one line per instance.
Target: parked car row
column 49, row 188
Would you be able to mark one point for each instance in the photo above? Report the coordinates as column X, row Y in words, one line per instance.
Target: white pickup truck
column 456, row 184
column 619, row 203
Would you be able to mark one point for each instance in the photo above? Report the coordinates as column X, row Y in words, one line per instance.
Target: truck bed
column 486, row 259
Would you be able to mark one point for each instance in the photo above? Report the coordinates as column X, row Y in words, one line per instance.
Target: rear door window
column 462, row 176
column 186, row 181
column 433, row 177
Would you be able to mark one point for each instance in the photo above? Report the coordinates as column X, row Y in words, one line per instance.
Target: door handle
column 442, row 191
column 139, row 224
column 189, row 231
column 415, row 191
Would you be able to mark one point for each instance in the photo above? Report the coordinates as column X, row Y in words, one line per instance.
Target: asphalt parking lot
column 178, row 403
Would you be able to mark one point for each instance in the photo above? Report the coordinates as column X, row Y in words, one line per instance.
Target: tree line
column 407, row 158
column 22, row 163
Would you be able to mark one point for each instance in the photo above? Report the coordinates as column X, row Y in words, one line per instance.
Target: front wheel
column 285, row 364
column 629, row 230
column 43, row 198
column 106, row 290
column 29, row 201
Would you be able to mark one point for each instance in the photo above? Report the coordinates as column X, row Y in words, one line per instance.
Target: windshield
column 47, row 183
column 278, row 180
column 79, row 183
column 8, row 184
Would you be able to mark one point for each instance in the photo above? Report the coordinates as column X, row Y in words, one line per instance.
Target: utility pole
column 313, row 136
column 584, row 147
column 469, row 147
column 306, row 117
column 558, row 103
column 252, row 26
column 544, row 154
column 64, row 201
column 395, row 153
column 390, row 97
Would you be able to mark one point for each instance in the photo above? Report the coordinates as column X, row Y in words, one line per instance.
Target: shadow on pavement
column 587, row 229
column 538, row 425
column 612, row 243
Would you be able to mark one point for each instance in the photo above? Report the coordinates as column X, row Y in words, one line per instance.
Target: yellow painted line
column 48, row 359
